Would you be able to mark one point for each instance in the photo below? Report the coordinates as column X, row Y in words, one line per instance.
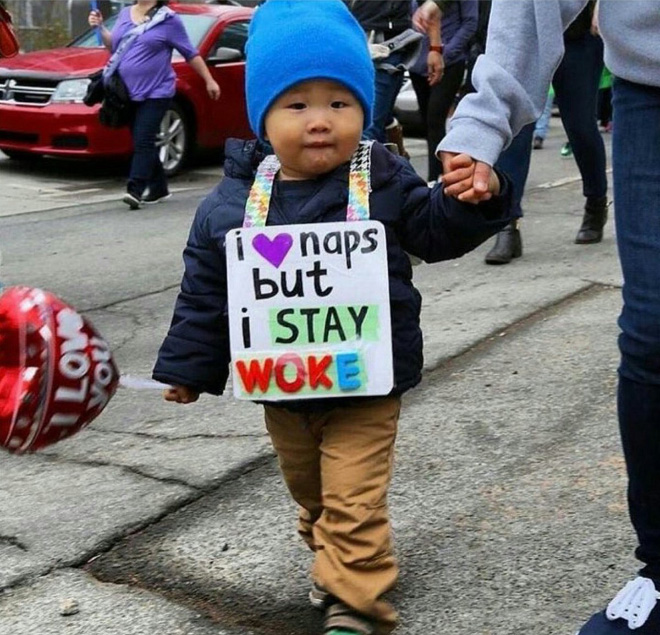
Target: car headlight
column 71, row 90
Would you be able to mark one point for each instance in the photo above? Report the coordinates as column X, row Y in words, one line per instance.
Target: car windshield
column 197, row 26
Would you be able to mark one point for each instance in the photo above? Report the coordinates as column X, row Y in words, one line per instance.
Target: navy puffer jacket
column 417, row 220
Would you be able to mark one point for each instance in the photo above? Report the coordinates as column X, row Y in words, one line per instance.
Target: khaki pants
column 337, row 465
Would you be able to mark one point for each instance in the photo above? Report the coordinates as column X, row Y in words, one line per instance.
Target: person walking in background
column 604, row 112
column 575, row 84
column 527, row 34
column 382, row 21
column 477, row 43
column 543, row 124
column 147, row 72
column 436, row 95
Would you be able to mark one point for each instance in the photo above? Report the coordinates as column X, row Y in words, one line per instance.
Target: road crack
column 13, row 541
column 107, row 544
column 55, row 458
column 162, row 437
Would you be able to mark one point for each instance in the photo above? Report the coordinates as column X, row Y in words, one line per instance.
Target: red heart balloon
column 56, row 372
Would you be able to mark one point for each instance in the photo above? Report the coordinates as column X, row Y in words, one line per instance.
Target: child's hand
column 468, row 180
column 180, row 394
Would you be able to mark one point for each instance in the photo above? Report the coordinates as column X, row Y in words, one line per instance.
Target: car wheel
column 174, row 141
column 20, row 155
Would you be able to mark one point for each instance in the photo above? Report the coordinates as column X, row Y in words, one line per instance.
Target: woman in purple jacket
column 147, row 71
column 459, row 24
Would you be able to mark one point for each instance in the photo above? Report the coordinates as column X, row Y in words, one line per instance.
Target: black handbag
column 117, row 109
column 95, row 90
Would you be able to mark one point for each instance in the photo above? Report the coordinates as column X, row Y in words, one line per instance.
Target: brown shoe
column 394, row 134
column 340, row 618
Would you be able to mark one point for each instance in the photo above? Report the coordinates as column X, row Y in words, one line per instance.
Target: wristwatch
column 437, row 49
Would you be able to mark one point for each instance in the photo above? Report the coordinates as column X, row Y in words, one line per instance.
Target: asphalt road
column 508, row 501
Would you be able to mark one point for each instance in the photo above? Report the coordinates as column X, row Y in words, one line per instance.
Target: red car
column 41, row 109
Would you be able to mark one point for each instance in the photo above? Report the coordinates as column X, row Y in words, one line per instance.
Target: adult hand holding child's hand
column 468, row 180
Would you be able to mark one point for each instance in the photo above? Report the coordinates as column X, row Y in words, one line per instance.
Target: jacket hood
column 242, row 158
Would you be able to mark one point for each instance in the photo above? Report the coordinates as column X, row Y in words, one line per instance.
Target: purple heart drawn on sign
column 275, row 250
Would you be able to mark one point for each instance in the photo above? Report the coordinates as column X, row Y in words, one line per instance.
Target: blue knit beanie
column 292, row 41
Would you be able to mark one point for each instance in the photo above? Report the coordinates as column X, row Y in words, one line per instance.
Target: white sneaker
column 132, row 201
column 634, row 602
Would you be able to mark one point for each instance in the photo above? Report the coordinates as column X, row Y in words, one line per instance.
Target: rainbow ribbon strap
column 359, row 183
column 359, row 188
column 258, row 202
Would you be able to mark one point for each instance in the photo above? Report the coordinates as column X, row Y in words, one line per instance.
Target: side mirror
column 224, row 54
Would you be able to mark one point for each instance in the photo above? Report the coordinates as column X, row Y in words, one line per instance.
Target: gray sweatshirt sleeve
column 524, row 47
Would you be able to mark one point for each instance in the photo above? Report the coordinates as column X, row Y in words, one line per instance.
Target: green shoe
column 566, row 150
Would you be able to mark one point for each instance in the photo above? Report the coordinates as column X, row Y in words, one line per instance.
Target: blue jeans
column 434, row 105
column 576, row 84
column 576, row 89
column 514, row 162
column 387, row 88
column 146, row 168
column 636, row 166
column 543, row 123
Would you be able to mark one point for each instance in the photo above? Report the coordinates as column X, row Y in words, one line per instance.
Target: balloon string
column 141, row 383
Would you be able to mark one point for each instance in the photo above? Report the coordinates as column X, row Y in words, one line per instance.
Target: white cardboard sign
column 309, row 311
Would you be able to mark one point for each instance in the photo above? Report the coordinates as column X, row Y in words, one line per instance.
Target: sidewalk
column 508, row 501
column 46, row 184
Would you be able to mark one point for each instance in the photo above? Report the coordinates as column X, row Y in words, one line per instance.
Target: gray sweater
column 524, row 48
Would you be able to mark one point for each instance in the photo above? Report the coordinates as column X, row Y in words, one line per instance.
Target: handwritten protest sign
column 309, row 311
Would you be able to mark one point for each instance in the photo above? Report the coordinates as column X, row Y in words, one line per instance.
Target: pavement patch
column 59, row 514
column 508, row 502
column 198, row 463
column 74, row 603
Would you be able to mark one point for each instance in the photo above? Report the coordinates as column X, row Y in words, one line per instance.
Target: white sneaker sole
column 132, row 201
